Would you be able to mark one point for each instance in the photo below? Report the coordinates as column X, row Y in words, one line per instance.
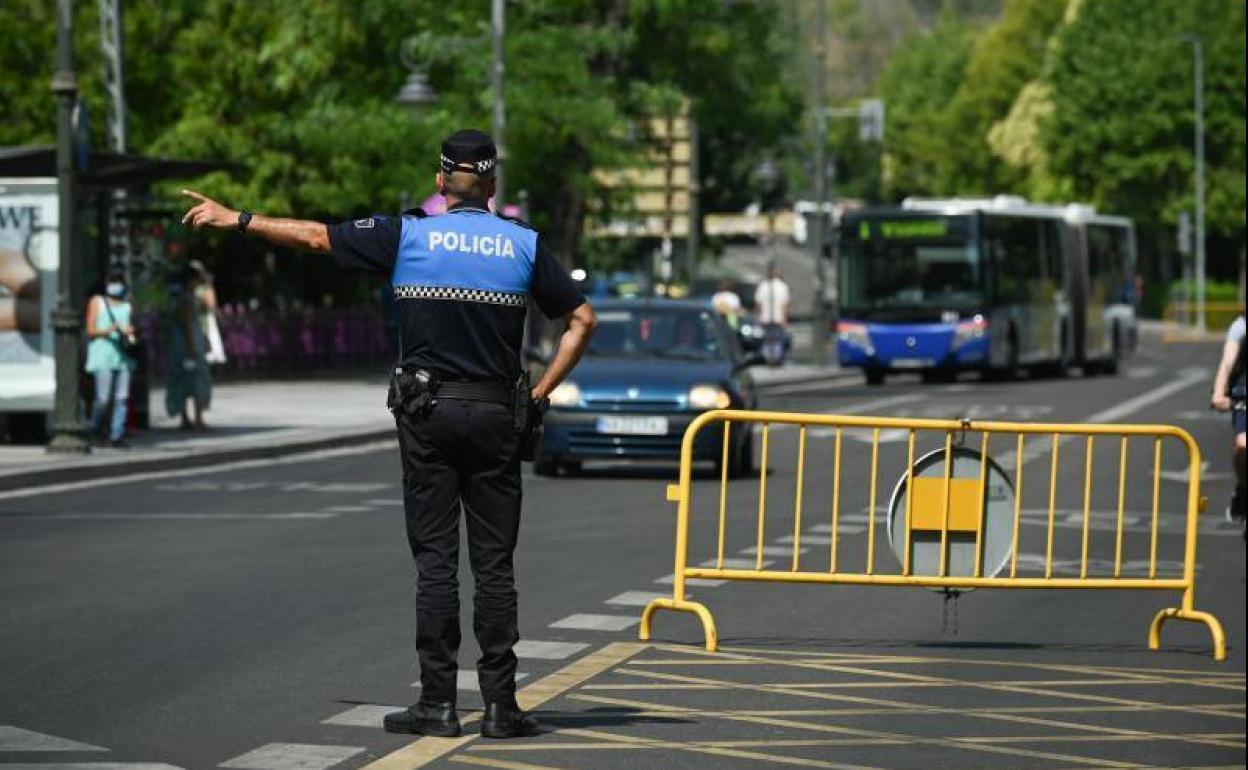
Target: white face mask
column 115, row 290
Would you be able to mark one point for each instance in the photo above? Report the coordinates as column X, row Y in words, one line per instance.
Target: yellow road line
column 503, row 764
column 723, row 752
column 426, row 749
column 796, row 689
column 842, row 730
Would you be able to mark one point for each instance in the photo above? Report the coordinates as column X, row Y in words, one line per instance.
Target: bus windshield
column 924, row 265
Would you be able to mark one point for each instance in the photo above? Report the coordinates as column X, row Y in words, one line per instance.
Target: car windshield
column 647, row 332
column 908, row 266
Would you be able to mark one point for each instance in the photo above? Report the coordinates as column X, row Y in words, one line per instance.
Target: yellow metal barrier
column 942, row 506
column 1179, row 317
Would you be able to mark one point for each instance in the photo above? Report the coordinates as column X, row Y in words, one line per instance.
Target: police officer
column 461, row 401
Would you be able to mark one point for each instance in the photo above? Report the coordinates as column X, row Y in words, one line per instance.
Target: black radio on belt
column 412, row 391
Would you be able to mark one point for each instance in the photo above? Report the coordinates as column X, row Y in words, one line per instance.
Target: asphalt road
column 260, row 615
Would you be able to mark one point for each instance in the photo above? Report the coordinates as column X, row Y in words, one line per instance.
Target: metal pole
column 67, row 429
column 1198, row 65
column 693, row 243
column 818, row 314
column 497, row 31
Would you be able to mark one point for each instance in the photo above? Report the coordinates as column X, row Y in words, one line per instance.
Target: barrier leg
column 708, row 622
column 1194, row 616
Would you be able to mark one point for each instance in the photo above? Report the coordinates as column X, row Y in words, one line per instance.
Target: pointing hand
column 208, row 213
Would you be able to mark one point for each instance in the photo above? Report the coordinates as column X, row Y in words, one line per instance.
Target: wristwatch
column 244, row 219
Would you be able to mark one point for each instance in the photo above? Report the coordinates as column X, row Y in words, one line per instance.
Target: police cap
column 471, row 151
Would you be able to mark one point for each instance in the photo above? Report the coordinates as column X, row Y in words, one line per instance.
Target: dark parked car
column 652, row 366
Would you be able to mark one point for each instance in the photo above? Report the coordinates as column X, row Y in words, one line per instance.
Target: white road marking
column 266, row 462
column 536, row 649
column 334, row 487
column 700, row 582
column 590, row 622
column 383, row 501
column 635, row 598
column 862, row 406
column 168, row 516
column 17, row 739
column 1187, row 378
column 293, row 756
column 772, row 550
column 824, row 539
column 366, row 715
column 809, row 387
column 468, row 681
column 350, row 508
column 736, row 563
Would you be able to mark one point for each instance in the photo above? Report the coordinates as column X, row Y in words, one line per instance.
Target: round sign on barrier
column 973, row 511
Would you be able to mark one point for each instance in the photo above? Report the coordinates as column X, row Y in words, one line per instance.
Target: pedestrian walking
column 188, row 389
column 110, row 358
column 463, row 405
column 771, row 306
column 1228, row 395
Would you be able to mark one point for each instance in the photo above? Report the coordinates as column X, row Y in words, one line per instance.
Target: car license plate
column 912, row 363
column 633, row 426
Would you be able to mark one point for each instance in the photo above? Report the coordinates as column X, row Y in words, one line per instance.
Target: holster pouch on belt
column 412, row 392
column 527, row 417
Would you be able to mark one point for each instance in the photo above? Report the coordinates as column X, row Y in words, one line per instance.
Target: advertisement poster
column 28, row 259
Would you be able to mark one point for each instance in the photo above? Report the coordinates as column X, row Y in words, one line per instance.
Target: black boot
column 425, row 719
column 506, row 720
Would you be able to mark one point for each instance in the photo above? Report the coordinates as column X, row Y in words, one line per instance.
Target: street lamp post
column 818, row 310
column 417, row 92
column 498, row 71
column 1198, row 107
column 68, row 434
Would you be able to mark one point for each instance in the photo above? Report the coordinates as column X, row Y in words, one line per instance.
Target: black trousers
column 463, row 452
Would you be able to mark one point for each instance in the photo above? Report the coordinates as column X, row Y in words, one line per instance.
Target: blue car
column 652, row 366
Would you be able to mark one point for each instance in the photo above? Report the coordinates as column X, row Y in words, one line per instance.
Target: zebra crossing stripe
column 18, row 739
column 293, row 756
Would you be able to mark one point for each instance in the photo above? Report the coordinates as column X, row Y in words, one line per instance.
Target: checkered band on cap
column 410, row 291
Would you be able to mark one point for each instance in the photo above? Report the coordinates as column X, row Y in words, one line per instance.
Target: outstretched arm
column 581, row 323
column 291, row 233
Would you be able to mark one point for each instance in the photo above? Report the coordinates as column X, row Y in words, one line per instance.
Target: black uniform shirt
column 461, row 281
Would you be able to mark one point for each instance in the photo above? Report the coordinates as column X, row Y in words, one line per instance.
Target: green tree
column 1009, row 55
column 1120, row 128
column 918, row 86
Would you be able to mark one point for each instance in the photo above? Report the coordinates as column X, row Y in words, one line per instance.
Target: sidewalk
column 247, row 420
column 260, row 419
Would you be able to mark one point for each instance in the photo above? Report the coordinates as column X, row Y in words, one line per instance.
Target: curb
column 129, row 465
column 805, row 379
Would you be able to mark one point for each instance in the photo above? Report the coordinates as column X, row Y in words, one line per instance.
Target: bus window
column 1109, row 263
column 1054, row 256
column 1014, row 248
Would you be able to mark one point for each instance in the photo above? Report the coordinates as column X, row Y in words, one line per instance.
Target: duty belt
column 489, row 392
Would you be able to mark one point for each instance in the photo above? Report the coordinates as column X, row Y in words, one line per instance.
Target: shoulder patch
column 365, row 224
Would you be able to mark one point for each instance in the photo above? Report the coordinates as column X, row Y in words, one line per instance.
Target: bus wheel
column 1115, row 355
column 874, row 376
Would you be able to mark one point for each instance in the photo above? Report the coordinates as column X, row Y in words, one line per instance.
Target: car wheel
column 571, row 467
column 545, row 465
column 874, row 376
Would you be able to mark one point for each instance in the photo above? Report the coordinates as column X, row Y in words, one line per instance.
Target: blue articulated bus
column 993, row 285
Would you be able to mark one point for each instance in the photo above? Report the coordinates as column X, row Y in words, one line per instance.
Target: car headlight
column 709, row 397
column 566, row 394
column 969, row 331
column 854, row 334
